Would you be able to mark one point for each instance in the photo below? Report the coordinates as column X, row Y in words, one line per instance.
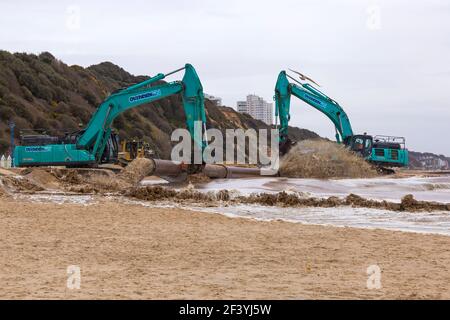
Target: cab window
column 359, row 143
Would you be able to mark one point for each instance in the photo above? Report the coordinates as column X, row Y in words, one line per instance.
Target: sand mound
column 159, row 193
column 198, row 178
column 2, row 189
column 21, row 184
column 6, row 172
column 42, row 177
column 70, row 177
column 107, row 183
column 136, row 170
column 91, row 181
column 79, row 180
column 285, row 199
column 323, row 159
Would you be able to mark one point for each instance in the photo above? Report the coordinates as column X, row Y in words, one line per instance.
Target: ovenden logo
column 37, row 149
column 310, row 97
column 151, row 94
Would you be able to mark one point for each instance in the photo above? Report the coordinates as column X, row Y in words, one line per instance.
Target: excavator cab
column 111, row 152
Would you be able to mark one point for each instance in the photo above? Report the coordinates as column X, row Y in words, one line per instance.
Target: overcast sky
column 386, row 62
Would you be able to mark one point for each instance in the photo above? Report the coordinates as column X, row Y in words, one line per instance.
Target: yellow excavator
column 133, row 149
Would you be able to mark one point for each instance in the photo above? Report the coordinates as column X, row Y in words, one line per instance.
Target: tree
column 6, row 113
column 27, row 94
column 46, row 57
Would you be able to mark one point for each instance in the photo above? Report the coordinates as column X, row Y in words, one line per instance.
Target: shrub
column 60, row 94
column 63, row 108
column 35, row 85
column 4, row 145
column 18, row 67
column 41, row 123
column 3, row 91
column 25, row 57
column 28, row 80
column 46, row 57
column 119, row 122
column 27, row 94
column 6, row 113
column 67, row 123
column 24, row 112
column 81, row 112
column 90, row 98
column 6, row 56
column 44, row 93
column 21, row 123
column 131, row 116
column 136, row 132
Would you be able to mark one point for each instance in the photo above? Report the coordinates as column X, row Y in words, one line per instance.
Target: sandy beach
column 133, row 252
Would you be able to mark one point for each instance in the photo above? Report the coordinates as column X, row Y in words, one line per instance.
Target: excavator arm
column 315, row 98
column 90, row 145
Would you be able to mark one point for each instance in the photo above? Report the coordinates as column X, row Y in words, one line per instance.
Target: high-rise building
column 257, row 107
column 242, row 106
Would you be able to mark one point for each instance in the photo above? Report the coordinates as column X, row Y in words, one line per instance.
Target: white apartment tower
column 257, row 107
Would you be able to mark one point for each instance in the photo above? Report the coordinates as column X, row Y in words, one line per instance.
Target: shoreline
column 127, row 251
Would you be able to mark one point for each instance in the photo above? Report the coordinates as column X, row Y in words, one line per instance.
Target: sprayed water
column 136, row 170
column 344, row 216
column 323, row 159
column 365, row 218
column 436, row 222
column 391, row 189
column 427, row 189
column 57, row 198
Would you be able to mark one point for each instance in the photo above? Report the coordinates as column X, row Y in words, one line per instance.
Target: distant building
column 242, row 106
column 216, row 100
column 257, row 107
column 433, row 162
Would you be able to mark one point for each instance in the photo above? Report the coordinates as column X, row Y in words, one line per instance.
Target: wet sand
column 135, row 252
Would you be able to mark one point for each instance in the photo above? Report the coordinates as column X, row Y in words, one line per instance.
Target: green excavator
column 383, row 151
column 97, row 144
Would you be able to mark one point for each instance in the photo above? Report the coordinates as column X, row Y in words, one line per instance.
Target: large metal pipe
column 168, row 168
column 215, row 171
column 171, row 171
column 219, row 171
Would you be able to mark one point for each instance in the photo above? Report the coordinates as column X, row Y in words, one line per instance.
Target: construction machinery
column 384, row 151
column 96, row 143
column 133, row 149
